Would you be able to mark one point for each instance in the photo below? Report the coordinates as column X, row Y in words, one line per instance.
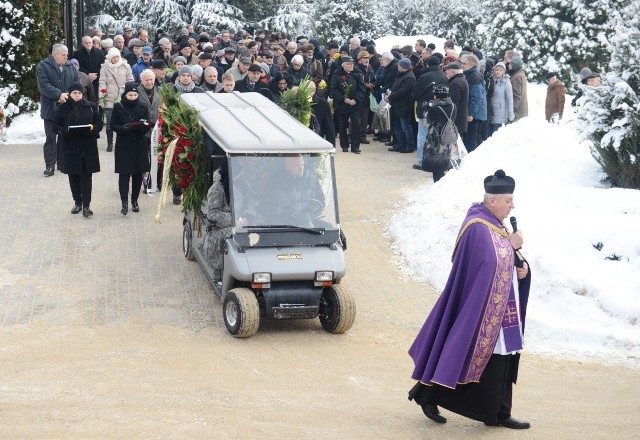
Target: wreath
column 181, row 151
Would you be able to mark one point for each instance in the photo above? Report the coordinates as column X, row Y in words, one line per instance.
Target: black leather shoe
column 345, row 150
column 134, row 206
column 511, row 423
column 431, row 411
column 392, row 149
column 415, row 166
column 389, row 144
column 125, row 208
column 87, row 212
column 177, row 200
column 49, row 172
column 407, row 151
column 356, row 151
column 364, row 141
column 109, row 148
column 76, row 209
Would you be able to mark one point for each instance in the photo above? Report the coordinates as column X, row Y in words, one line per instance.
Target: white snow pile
column 27, row 128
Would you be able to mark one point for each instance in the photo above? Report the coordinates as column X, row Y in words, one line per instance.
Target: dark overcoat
column 131, row 154
column 78, row 143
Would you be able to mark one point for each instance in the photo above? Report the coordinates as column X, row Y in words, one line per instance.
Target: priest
column 466, row 354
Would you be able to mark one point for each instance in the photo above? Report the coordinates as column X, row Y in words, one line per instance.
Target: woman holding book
column 79, row 123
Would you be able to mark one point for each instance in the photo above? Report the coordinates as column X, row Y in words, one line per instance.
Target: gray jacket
column 502, row 101
column 53, row 80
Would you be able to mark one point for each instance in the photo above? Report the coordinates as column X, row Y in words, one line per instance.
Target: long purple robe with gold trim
column 459, row 336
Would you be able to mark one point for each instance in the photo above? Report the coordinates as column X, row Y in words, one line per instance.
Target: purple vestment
column 459, row 336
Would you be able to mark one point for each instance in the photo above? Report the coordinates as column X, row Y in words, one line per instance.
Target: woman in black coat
column 130, row 121
column 79, row 123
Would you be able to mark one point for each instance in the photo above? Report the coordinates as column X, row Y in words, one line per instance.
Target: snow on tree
column 609, row 115
column 409, row 22
column 339, row 21
column 556, row 35
column 216, row 15
column 14, row 59
column 170, row 15
column 290, row 18
column 454, row 20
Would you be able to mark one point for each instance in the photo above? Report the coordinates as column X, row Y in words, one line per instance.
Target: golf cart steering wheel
column 306, row 208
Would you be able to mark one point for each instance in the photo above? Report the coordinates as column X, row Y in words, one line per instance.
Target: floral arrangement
column 297, row 101
column 346, row 86
column 181, row 150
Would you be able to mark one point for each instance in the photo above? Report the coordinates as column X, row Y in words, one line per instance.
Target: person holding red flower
column 130, row 122
column 348, row 92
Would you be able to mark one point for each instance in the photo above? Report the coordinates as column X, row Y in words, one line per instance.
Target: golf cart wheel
column 337, row 309
column 187, row 241
column 241, row 312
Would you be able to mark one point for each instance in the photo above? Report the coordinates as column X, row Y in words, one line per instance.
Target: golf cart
column 268, row 235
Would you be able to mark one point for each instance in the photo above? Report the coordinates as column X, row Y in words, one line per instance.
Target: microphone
column 519, row 258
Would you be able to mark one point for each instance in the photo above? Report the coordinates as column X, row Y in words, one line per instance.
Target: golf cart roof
column 251, row 123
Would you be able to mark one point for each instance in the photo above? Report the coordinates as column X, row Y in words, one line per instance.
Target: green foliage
column 609, row 115
column 31, row 26
column 297, row 102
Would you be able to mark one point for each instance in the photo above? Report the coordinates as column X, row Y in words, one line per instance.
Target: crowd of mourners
column 423, row 87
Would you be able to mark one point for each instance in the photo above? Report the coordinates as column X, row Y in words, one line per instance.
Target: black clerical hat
column 499, row 183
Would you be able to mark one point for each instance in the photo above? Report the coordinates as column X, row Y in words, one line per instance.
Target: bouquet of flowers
column 297, row 101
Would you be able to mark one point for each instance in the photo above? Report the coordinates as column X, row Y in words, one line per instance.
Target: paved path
column 69, row 270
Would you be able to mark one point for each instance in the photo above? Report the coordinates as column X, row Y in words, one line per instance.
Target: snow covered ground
column 27, row 128
column 585, row 302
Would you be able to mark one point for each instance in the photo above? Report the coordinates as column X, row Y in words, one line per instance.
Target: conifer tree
column 609, row 115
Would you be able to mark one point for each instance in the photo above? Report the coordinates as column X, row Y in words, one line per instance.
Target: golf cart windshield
column 283, row 190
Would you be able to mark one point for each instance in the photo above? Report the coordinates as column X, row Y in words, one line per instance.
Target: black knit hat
column 499, row 183
column 75, row 86
column 130, row 86
column 433, row 61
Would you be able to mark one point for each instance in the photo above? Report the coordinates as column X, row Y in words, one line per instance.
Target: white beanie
column 113, row 52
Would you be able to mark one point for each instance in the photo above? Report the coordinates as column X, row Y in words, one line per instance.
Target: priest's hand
column 522, row 271
column 516, row 239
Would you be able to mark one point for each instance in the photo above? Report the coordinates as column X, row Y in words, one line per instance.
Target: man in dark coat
column 369, row 78
column 251, row 82
column 55, row 75
column 90, row 60
column 466, row 354
column 402, row 107
column 422, row 93
column 477, row 113
column 322, row 114
column 383, row 84
column 459, row 94
column 347, row 90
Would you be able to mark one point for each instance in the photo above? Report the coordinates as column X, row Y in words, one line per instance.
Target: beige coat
column 113, row 80
column 520, row 102
column 555, row 100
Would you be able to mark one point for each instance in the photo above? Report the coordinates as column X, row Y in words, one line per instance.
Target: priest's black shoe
column 134, row 206
column 76, row 209
column 432, row 412
column 511, row 423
